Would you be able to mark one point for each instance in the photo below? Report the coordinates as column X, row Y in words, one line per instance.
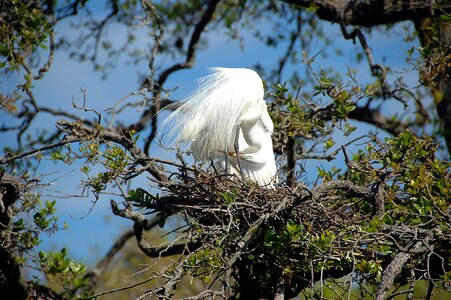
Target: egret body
column 228, row 102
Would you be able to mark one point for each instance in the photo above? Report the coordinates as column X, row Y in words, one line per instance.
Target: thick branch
column 375, row 117
column 370, row 13
column 10, row 268
column 344, row 185
column 10, row 278
column 280, row 292
column 379, row 207
column 393, row 269
column 141, row 224
column 370, row 116
column 390, row 273
column 437, row 35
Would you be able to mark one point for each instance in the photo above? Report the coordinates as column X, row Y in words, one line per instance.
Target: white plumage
column 208, row 119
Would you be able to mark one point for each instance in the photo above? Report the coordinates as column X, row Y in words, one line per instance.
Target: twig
column 49, row 62
column 369, row 55
column 64, row 141
column 192, row 47
column 294, row 36
column 85, row 108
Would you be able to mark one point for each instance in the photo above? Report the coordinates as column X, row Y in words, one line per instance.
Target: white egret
column 224, row 116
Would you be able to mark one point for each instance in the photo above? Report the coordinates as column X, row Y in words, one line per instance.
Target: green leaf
column 42, row 255
column 57, row 155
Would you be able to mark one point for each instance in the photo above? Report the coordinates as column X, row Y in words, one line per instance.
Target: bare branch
column 49, row 62
column 375, row 117
column 379, row 196
column 141, row 224
column 369, row 55
column 150, row 115
column 192, row 47
column 150, row 10
column 397, row 264
column 293, row 38
column 390, row 273
column 103, row 264
column 64, row 141
column 280, row 293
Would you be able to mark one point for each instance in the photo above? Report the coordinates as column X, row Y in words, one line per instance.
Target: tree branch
column 390, row 273
column 66, row 140
column 109, row 135
column 103, row 264
column 49, row 62
column 149, row 115
column 141, row 224
column 393, row 269
column 344, row 185
column 370, row 13
column 375, row 117
column 280, row 292
column 369, row 55
column 192, row 47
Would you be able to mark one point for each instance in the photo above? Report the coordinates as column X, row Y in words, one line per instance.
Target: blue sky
column 91, row 233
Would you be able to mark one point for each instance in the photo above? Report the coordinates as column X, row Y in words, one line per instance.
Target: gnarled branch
column 370, row 13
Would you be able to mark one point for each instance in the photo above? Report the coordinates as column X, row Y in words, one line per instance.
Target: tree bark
column 370, row 13
column 390, row 273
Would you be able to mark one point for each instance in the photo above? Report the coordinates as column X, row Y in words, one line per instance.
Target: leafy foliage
column 24, row 27
column 334, row 229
